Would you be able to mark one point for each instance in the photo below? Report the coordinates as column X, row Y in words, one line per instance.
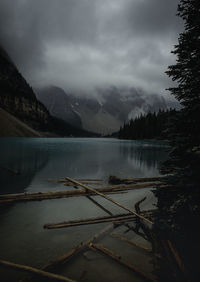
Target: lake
column 23, row 239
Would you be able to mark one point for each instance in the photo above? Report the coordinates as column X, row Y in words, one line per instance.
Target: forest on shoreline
column 148, row 126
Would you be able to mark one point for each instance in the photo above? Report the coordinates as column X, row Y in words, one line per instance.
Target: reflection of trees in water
column 144, row 156
column 40, row 159
column 21, row 157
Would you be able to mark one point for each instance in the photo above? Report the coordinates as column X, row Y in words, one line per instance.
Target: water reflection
column 20, row 156
column 37, row 160
column 144, row 157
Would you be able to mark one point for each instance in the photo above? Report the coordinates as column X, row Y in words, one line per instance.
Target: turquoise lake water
column 38, row 159
column 23, row 239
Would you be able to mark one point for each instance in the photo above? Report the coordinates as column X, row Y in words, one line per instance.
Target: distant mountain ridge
column 58, row 104
column 19, row 100
column 105, row 111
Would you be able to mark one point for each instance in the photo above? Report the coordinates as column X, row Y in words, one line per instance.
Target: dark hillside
column 19, row 99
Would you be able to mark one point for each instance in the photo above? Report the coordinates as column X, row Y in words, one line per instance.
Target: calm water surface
column 22, row 237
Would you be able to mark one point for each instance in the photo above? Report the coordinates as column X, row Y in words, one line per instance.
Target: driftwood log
column 82, row 180
column 99, row 205
column 114, row 218
column 179, row 262
column 124, row 239
column 36, row 271
column 118, row 258
column 11, row 198
column 78, row 248
column 116, row 180
column 173, row 262
column 109, row 199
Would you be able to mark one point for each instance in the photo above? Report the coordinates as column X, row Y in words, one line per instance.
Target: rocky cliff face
column 17, row 97
column 103, row 111
column 58, row 104
column 94, row 115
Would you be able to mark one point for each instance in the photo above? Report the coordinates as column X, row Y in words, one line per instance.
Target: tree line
column 148, row 126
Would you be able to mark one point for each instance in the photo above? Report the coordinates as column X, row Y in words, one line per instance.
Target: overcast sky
column 88, row 43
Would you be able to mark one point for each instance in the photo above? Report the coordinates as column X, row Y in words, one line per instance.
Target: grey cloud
column 89, row 43
column 153, row 17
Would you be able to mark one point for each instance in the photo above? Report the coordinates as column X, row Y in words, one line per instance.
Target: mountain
column 22, row 114
column 94, row 116
column 103, row 111
column 58, row 104
column 17, row 97
column 11, row 126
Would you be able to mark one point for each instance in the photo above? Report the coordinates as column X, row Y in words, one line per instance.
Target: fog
column 84, row 44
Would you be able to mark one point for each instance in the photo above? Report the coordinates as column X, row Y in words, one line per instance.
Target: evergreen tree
column 186, row 72
column 179, row 207
column 147, row 126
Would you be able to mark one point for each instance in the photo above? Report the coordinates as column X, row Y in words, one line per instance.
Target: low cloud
column 91, row 43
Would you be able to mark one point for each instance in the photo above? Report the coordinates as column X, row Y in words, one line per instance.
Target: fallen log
column 85, row 181
column 77, row 249
column 124, row 239
column 90, row 179
column 109, row 199
column 99, row 205
column 169, row 261
column 56, row 180
column 119, row 259
column 113, row 218
column 84, row 222
column 116, row 180
column 146, row 230
column 137, row 209
column 176, row 256
column 11, row 198
column 133, row 186
column 174, row 262
column 136, row 231
column 36, row 271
